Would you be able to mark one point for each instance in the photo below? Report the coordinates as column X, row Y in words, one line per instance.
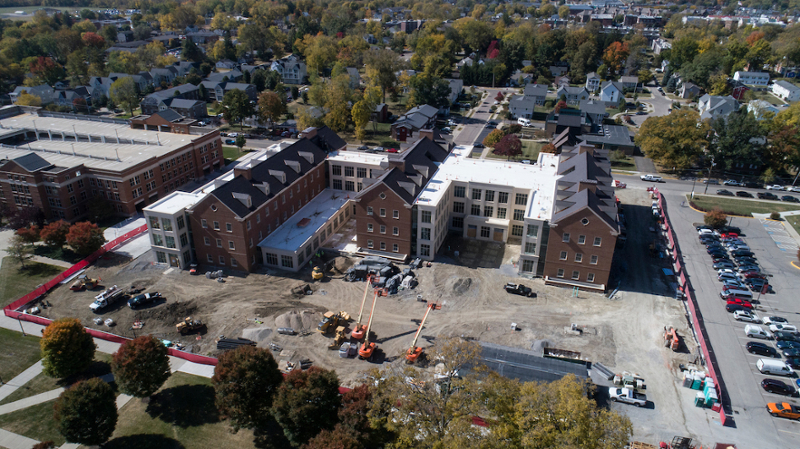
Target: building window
column 396, row 214
column 359, row 187
column 222, row 260
column 521, row 199
column 476, row 210
column 425, row 250
column 383, row 212
column 458, row 222
column 361, row 172
column 533, row 231
column 287, row 261
column 207, row 241
column 204, row 223
column 565, row 237
column 501, row 213
column 369, row 244
column 458, row 207
column 184, row 240
column 369, row 210
column 209, row 258
column 234, row 263
column 272, row 259
column 162, row 258
column 597, row 241
column 154, row 224
column 337, row 184
column 350, row 186
column 383, row 246
column 337, row 170
column 170, row 241
column 530, row 248
column 593, row 260
column 383, row 229
column 216, row 226
column 459, row 192
column 563, row 256
column 228, row 227
column 180, row 222
column 516, row 230
column 158, row 240
column 488, row 211
column 485, row 230
column 248, row 225
column 395, row 248
column 425, row 216
column 578, row 257
column 560, row 273
column 395, row 231
column 502, row 197
column 369, row 227
column 425, row 233
column 476, row 194
column 576, row 275
column 590, row 277
column 527, row 266
column 219, row 243
column 231, row 245
column 348, row 171
column 519, row 214
column 581, row 239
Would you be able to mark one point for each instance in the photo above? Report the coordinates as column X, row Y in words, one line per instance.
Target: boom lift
column 367, row 348
column 415, row 351
column 358, row 330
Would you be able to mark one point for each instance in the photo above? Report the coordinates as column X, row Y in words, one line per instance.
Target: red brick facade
column 579, row 256
column 369, row 208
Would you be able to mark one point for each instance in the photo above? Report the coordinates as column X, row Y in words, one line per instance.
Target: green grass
column 794, row 220
column 181, row 415
column 622, row 164
column 768, row 97
column 741, row 207
column 62, row 253
column 34, row 422
column 16, row 281
column 530, row 152
column 18, row 353
column 230, row 154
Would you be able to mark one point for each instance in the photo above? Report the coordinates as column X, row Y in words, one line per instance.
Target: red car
column 740, row 302
column 391, row 150
column 752, row 274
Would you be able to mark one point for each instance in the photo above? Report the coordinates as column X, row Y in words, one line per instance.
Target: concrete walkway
column 21, row 379
column 14, row 441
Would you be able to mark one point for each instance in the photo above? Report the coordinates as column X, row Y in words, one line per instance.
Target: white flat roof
column 358, row 156
column 540, row 177
column 175, row 202
column 290, row 237
column 94, row 154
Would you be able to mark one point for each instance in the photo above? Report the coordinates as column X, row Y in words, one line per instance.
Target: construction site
column 307, row 321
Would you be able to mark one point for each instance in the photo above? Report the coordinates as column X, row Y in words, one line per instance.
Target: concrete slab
column 197, row 369
column 21, row 379
column 133, row 248
column 13, row 441
column 29, row 401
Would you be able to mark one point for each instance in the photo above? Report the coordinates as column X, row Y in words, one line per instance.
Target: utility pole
column 709, row 175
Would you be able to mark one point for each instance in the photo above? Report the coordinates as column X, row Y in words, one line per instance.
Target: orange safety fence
column 12, row 311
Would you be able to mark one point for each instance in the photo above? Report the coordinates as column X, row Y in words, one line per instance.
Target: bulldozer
column 188, row 325
column 84, row 283
column 338, row 339
column 331, row 320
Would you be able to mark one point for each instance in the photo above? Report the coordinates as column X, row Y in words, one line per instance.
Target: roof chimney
column 246, row 172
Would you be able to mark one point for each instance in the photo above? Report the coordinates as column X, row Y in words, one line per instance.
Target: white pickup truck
column 627, row 395
column 651, row 178
column 106, row 298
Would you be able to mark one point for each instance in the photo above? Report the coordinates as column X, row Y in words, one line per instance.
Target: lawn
column 16, row 281
column 18, row 353
column 741, row 207
column 64, row 253
column 530, row 152
column 230, row 154
column 35, row 422
column 181, row 415
column 794, row 220
column 624, row 163
column 768, row 97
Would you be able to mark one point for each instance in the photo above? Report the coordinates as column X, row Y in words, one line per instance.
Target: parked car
column 782, row 343
column 778, row 387
column 773, row 319
column 756, row 347
column 775, row 187
column 145, row 298
column 766, row 196
column 740, row 302
column 724, row 192
column 791, row 352
column 782, row 327
column 744, row 194
column 711, row 181
column 734, row 307
column 723, row 264
column 230, row 141
column 790, row 199
column 728, row 229
column 732, row 182
column 477, row 145
column 784, row 410
column 747, row 316
column 794, row 362
column 519, row 289
column 651, row 178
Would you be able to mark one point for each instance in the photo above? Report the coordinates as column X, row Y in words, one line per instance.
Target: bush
column 775, row 216
column 715, row 218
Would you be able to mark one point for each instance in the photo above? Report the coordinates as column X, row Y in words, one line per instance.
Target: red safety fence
column 12, row 311
column 694, row 312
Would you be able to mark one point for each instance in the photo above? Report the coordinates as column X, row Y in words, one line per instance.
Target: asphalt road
column 754, row 426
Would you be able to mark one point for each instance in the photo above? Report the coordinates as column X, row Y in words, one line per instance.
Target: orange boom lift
column 415, row 351
column 367, row 348
column 358, row 330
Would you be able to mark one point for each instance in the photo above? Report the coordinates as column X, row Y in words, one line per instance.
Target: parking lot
column 774, row 250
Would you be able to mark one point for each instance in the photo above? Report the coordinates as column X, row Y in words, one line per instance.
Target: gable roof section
column 32, row 162
column 169, row 115
column 327, row 140
column 585, row 199
column 240, row 185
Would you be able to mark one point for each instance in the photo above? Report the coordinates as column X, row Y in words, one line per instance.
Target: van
column 523, row 121
column 736, row 293
column 777, row 367
column 753, row 331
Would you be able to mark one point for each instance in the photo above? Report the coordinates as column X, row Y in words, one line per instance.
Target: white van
column 523, row 121
column 736, row 293
column 767, row 366
column 753, row 331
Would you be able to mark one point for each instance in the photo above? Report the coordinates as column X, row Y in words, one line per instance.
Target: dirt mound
column 342, row 264
column 172, row 312
column 298, row 320
column 256, row 334
column 462, row 285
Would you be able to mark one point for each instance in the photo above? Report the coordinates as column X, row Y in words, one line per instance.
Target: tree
column 190, row 51
column 615, row 55
column 47, row 70
column 559, row 106
column 123, row 92
column 19, row 250
column 362, row 111
column 236, row 106
column 428, row 90
column 563, row 11
column 141, row 366
column 715, row 218
column 493, row 137
column 44, row 445
column 55, row 233
column 674, row 140
column 98, row 211
column 240, row 141
column 382, row 66
column 29, row 235
column 509, row 146
column 66, row 347
column 26, row 99
column 645, row 76
column 85, row 238
column 306, row 403
column 737, row 140
column 270, row 107
column 87, row 412
column 245, row 381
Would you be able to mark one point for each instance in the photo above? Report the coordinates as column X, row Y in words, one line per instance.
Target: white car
column 782, row 327
column 793, row 189
column 768, row 320
column 744, row 315
column 705, row 232
column 732, row 182
column 775, row 187
column 651, row 178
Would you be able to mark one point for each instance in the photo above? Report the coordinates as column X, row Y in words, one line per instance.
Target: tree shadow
column 269, row 435
column 97, row 368
column 184, row 406
column 143, row 441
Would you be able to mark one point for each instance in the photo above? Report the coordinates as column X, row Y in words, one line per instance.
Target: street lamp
column 709, row 175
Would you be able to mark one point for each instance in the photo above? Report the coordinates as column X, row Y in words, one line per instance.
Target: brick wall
column 390, row 202
column 573, row 226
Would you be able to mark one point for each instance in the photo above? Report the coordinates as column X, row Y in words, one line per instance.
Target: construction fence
column 13, row 310
column 706, row 351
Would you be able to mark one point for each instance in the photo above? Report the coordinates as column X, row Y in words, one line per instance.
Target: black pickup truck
column 519, row 289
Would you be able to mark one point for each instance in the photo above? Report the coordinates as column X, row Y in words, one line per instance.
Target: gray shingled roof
column 32, row 162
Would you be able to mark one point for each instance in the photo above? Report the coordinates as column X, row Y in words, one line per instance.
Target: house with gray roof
column 533, row 95
column 611, row 92
column 713, row 106
column 291, row 69
column 573, row 95
column 595, row 111
column 592, row 82
column 417, row 118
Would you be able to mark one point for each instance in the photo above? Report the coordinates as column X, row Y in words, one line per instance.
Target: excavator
column 358, row 330
column 368, row 347
column 415, row 351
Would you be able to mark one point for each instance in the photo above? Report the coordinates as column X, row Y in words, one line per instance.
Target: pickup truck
column 106, row 298
column 627, row 395
column 519, row 289
column 651, row 178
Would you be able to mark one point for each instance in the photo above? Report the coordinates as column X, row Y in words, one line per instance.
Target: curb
column 795, row 265
column 689, row 203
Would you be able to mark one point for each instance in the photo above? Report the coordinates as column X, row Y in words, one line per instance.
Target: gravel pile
column 256, row 334
column 298, row 320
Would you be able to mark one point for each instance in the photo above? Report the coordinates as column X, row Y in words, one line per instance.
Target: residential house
column 355, row 77
column 193, row 109
column 611, row 92
column 520, row 78
column 291, row 69
column 558, row 70
column 561, row 81
column 689, row 90
column 456, row 86
column 227, row 64
column 43, row 91
column 185, row 67
column 203, row 37
column 573, row 95
column 140, row 81
column 167, row 120
column 595, row 111
column 381, row 113
column 159, row 101
column 660, row 45
column 163, row 75
column 762, row 109
column 523, row 107
column 417, row 118
column 752, row 78
column 786, row 91
column 713, row 107
column 629, row 82
column 592, row 82
column 574, row 121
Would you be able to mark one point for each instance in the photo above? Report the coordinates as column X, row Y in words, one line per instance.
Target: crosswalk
column 778, row 233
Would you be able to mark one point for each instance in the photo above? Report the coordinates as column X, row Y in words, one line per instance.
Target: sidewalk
column 21, row 379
